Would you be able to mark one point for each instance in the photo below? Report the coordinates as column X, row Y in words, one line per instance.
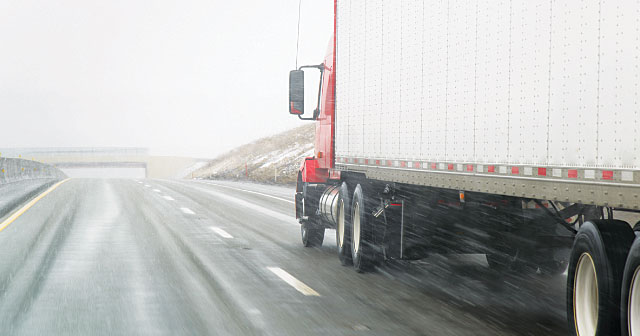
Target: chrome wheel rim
column 633, row 311
column 585, row 296
column 341, row 223
column 356, row 227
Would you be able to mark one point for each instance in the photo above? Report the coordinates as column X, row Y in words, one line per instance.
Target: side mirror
column 296, row 92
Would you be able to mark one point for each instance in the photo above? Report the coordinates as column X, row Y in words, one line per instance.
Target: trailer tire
column 594, row 277
column 312, row 233
column 630, row 300
column 343, row 228
column 362, row 252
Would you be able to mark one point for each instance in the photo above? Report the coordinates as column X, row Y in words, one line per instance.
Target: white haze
column 188, row 78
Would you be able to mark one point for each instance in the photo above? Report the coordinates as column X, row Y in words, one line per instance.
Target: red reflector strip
column 433, row 166
column 378, row 162
column 366, row 161
column 607, row 175
column 416, row 165
column 572, row 173
column 450, row 166
column 389, row 163
column 515, row 170
column 470, row 168
column 403, row 164
column 542, row 171
column 396, row 204
column 491, row 169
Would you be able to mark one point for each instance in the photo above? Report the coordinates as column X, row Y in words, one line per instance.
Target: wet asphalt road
column 126, row 257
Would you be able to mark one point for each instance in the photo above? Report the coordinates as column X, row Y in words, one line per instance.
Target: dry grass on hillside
column 274, row 159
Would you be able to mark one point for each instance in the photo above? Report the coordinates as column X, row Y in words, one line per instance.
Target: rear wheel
column 595, row 271
column 630, row 306
column 343, row 228
column 362, row 250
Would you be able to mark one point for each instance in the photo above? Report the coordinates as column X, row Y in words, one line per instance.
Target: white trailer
column 516, row 120
column 525, row 98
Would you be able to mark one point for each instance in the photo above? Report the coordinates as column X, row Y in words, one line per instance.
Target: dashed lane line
column 27, row 206
column 222, row 233
column 168, row 198
column 293, row 282
column 157, row 190
column 187, row 211
column 252, row 192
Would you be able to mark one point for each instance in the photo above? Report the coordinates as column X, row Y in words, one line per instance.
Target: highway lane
column 197, row 257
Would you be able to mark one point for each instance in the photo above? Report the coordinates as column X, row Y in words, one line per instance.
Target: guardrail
column 12, row 170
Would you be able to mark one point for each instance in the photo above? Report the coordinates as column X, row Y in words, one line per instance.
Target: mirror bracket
column 316, row 111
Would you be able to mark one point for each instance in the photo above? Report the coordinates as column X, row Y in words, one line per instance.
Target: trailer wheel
column 630, row 306
column 312, row 233
column 343, row 229
column 361, row 249
column 595, row 272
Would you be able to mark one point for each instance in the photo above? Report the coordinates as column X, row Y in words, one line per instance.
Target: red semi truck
column 509, row 128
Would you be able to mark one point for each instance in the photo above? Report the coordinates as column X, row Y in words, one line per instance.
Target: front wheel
column 312, row 233
column 594, row 277
column 630, row 301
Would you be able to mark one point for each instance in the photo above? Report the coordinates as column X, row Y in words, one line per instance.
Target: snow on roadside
column 272, row 159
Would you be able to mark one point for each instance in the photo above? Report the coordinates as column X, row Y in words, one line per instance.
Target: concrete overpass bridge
column 108, row 162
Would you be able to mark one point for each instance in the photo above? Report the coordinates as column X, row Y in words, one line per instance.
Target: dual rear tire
column 362, row 249
column 596, row 267
column 354, row 229
column 343, row 227
column 630, row 307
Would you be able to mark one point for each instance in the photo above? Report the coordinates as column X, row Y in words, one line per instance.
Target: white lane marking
column 293, row 282
column 139, row 182
column 221, row 232
column 290, row 219
column 168, row 198
column 252, row 192
column 156, row 190
column 187, row 211
column 148, row 186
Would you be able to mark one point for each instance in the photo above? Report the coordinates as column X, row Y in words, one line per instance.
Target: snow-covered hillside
column 273, row 159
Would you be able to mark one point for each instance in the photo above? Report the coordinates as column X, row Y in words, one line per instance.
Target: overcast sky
column 189, row 78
